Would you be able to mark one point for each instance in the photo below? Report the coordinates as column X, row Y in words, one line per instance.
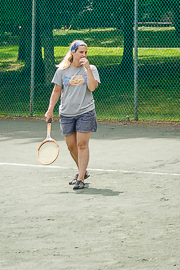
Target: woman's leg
column 72, row 146
column 77, row 144
column 82, row 153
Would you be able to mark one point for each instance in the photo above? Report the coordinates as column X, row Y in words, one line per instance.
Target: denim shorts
column 85, row 122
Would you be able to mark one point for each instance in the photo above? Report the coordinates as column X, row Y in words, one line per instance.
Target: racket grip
column 49, row 128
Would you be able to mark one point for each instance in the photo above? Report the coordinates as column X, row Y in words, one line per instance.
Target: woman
column 75, row 80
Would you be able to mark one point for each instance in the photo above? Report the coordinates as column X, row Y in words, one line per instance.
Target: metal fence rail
column 134, row 44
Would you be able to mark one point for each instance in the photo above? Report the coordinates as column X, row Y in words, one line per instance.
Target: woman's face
column 80, row 53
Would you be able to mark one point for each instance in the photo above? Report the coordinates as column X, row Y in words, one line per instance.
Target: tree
column 175, row 6
column 100, row 15
column 26, row 39
column 160, row 7
column 177, row 18
column 10, row 15
column 128, row 23
column 47, row 36
column 77, row 8
column 126, row 11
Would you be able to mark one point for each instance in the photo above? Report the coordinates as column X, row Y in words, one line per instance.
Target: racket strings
column 48, row 152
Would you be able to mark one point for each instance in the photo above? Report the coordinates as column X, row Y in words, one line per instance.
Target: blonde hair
column 68, row 58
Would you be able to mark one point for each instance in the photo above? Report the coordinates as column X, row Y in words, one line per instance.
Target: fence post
column 136, row 59
column 32, row 57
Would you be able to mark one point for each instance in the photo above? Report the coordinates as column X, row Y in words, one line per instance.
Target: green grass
column 158, row 56
column 113, row 56
column 158, row 98
column 97, row 55
column 151, row 37
column 8, row 59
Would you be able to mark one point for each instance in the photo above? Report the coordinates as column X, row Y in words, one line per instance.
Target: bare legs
column 72, row 146
column 78, row 145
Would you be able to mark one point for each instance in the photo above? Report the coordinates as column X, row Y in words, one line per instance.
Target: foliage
column 90, row 13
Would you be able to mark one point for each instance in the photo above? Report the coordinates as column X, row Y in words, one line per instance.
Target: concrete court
column 127, row 217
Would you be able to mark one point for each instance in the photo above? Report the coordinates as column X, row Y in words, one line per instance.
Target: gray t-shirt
column 76, row 98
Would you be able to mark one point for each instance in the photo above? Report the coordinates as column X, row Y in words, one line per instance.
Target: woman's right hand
column 49, row 115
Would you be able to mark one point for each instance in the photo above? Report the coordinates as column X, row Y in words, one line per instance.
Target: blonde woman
column 75, row 80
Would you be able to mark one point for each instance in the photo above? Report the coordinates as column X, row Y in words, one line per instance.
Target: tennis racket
column 48, row 149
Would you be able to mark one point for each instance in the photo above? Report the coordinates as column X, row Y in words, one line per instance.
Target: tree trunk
column 74, row 22
column 128, row 22
column 47, row 38
column 39, row 64
column 25, row 43
column 21, row 51
column 177, row 19
column 25, row 34
column 48, row 54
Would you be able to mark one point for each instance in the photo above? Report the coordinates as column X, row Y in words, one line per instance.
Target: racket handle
column 49, row 128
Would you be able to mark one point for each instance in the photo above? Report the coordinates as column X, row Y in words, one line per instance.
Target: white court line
column 90, row 169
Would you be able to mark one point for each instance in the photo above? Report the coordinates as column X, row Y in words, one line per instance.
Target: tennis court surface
column 126, row 217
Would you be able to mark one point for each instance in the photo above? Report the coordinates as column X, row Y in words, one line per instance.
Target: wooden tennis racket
column 48, row 149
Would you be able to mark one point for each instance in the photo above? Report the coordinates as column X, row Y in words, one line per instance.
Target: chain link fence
column 134, row 44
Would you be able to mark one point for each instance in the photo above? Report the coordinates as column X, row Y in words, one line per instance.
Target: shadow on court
column 92, row 191
column 36, row 129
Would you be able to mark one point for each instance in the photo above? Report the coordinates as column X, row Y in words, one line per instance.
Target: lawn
column 97, row 55
column 158, row 97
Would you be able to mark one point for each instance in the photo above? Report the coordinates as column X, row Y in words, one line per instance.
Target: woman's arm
column 92, row 84
column 53, row 100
